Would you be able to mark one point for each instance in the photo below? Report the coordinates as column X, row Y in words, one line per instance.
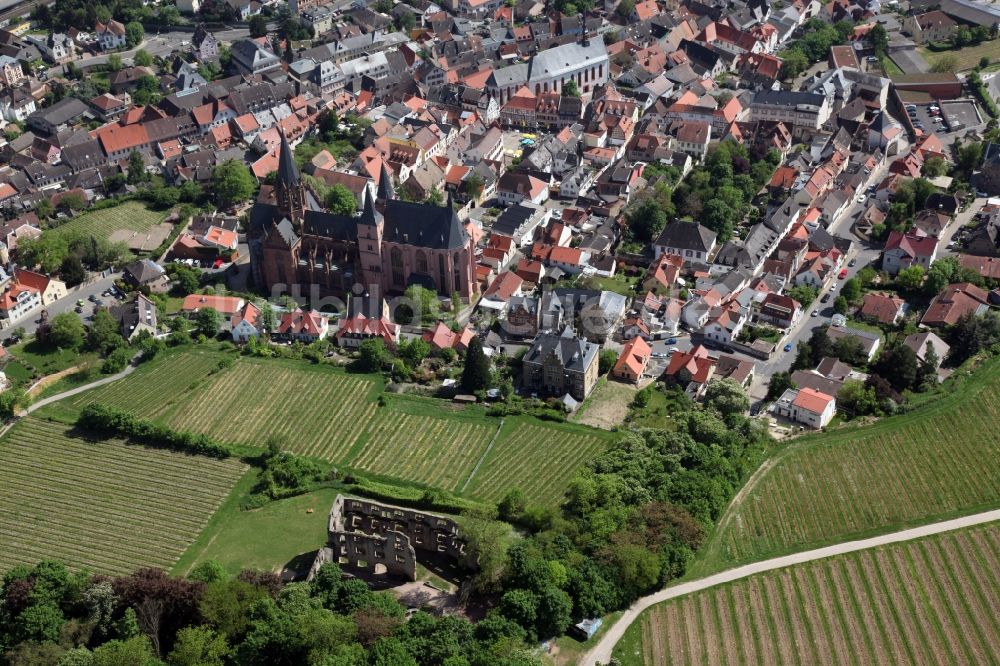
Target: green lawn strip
column 267, row 538
column 828, row 616
column 929, row 605
column 734, row 615
column 843, row 578
column 801, row 602
column 882, row 587
column 935, row 577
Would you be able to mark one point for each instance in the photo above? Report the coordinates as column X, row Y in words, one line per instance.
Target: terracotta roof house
column 883, row 308
column 246, row 323
column 690, row 369
column 780, row 310
column 353, row 331
column 49, row 288
column 307, row 326
column 633, row 361
column 663, row 273
column 226, row 305
column 442, row 337
column 954, row 302
column 506, row 285
column 806, row 406
column 903, row 250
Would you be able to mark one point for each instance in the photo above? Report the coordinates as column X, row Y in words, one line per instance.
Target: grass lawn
column 968, row 57
column 607, row 405
column 46, row 360
column 927, row 601
column 18, row 374
column 656, row 413
column 102, row 223
column 940, row 460
column 889, row 67
column 267, row 538
column 570, row 650
column 618, row 283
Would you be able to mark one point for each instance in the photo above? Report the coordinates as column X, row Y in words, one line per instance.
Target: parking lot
column 958, row 115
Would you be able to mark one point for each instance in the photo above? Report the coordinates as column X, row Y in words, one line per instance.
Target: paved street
column 30, row 322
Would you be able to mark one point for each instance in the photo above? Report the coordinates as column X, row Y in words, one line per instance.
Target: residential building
column 227, row 306
column 883, row 308
column 869, row 341
column 135, row 317
column 633, row 361
column 205, row 45
column 110, row 36
column 146, row 274
column 561, row 364
column 903, row 250
column 249, row 57
column 11, row 73
column 352, row 331
column 780, row 310
column 691, row 370
column 689, row 240
column 247, row 323
column 18, row 300
column 933, row 26
column 806, row 406
column 919, row 342
column 442, row 337
column 801, row 111
column 693, row 138
column 303, row 326
column 955, row 302
column 517, row 186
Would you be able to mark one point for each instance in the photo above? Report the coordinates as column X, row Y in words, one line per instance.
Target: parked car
column 672, row 341
column 825, row 299
column 92, row 298
column 788, row 347
column 853, row 262
column 842, row 275
column 814, row 313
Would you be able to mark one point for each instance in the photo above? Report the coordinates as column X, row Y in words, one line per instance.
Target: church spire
column 289, row 192
column 385, row 189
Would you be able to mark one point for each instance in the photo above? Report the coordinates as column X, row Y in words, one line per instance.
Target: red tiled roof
column 812, row 400
column 635, row 357
column 227, row 305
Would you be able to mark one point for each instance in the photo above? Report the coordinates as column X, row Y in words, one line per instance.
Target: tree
column 209, row 571
column 134, row 34
column 841, row 305
column 646, row 221
column 606, row 361
column 857, row 399
column 340, row 200
column 934, row 167
column 476, row 373
column 142, row 58
column 208, row 322
column 132, row 652
column 258, row 26
column 373, row 355
column 899, row 366
column 66, row 331
column 804, row 294
column 116, row 361
column 727, row 397
column 778, row 384
column 910, row 279
column 186, row 278
column 232, row 183
column 879, row 39
column 406, row 22
column 103, row 335
column 984, row 62
column 820, row 345
column 851, row 290
column 136, row 168
column 199, row 646
column 970, row 155
column 114, row 62
column 72, row 271
column 72, row 201
column 794, row 62
column 849, row 350
column 570, row 89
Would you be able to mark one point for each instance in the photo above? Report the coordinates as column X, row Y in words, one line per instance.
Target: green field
column 940, row 460
column 267, row 538
column 326, row 413
column 966, row 57
column 103, row 506
column 102, row 223
column 931, row 601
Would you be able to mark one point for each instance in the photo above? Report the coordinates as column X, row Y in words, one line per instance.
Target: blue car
column 788, row 347
column 672, row 341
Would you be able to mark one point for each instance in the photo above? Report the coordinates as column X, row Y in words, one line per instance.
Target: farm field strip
column 142, row 393
column 927, row 601
column 438, row 452
column 308, row 408
column 539, row 460
column 933, row 463
column 102, row 223
column 105, row 506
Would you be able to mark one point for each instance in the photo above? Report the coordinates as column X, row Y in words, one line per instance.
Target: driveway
column 601, row 652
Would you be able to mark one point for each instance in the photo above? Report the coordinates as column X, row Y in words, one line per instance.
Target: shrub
column 111, row 421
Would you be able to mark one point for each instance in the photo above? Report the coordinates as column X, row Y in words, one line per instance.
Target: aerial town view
column 499, row 332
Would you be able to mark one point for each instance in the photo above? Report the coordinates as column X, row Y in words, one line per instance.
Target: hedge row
column 111, row 421
column 979, row 88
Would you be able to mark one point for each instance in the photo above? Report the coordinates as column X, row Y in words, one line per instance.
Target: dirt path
column 601, row 652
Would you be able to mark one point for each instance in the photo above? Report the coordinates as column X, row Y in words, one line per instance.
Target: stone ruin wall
column 363, row 534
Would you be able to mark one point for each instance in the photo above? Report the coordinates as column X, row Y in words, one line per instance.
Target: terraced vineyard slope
column 937, row 461
column 104, row 506
column 335, row 416
column 931, row 601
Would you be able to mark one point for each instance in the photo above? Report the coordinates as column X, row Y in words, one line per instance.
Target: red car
column 843, row 273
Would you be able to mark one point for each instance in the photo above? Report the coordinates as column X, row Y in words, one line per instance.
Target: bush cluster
column 111, row 421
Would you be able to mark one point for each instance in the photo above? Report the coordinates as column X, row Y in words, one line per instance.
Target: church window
column 441, row 273
column 396, row 258
column 421, row 262
column 457, row 270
